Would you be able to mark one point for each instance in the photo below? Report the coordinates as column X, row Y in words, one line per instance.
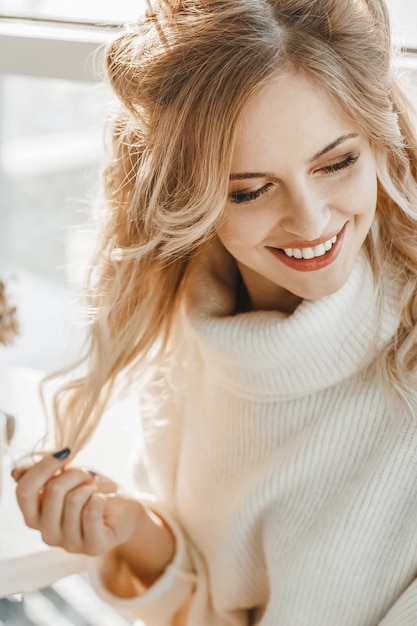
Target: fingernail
column 62, row 454
column 93, row 474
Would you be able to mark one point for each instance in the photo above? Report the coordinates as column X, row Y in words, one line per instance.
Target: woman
column 257, row 273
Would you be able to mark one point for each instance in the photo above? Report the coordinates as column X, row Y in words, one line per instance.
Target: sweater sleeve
column 404, row 611
column 154, row 469
column 157, row 604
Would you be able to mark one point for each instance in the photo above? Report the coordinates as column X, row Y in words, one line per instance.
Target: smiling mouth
column 310, row 253
column 307, row 259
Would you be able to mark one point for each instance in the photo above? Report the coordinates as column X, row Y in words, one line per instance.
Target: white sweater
column 288, row 483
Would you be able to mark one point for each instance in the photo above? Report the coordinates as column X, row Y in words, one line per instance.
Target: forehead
column 289, row 120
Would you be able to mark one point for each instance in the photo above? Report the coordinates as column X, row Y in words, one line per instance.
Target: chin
column 323, row 290
column 328, row 286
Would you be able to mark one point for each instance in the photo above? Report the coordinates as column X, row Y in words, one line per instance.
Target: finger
column 99, row 535
column 72, row 529
column 32, row 482
column 92, row 522
column 109, row 520
column 17, row 472
column 106, row 484
column 55, row 493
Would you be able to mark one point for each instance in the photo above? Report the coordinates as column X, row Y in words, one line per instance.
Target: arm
column 133, row 548
column 160, row 601
column 145, row 561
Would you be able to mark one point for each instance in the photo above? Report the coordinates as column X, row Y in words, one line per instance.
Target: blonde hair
column 183, row 76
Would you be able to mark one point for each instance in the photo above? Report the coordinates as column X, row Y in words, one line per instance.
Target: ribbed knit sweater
column 290, row 486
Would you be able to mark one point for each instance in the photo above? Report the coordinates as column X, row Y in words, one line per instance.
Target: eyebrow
column 331, row 146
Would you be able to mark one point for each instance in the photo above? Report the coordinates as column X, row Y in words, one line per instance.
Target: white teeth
column 311, row 253
column 319, row 250
column 308, row 253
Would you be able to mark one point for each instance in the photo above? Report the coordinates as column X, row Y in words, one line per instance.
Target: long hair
column 182, row 76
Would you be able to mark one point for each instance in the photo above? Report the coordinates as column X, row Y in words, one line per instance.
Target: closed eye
column 340, row 165
column 238, row 197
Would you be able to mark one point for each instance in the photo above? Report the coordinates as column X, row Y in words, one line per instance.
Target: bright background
column 404, row 12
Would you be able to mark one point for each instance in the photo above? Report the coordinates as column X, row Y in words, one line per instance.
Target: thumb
column 122, row 516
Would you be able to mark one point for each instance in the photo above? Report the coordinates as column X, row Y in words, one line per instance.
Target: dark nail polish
column 93, row 474
column 62, row 454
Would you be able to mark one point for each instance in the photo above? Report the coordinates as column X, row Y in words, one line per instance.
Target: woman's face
column 303, row 192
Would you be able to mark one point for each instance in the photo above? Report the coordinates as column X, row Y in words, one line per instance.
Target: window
column 52, row 109
column 50, row 159
column 404, row 21
column 95, row 11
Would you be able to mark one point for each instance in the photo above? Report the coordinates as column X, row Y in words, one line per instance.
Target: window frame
column 53, row 49
column 73, row 50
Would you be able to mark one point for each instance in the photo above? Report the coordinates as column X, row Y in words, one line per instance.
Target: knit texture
column 291, row 488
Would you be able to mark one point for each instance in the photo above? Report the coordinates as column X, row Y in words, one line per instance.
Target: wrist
column 150, row 548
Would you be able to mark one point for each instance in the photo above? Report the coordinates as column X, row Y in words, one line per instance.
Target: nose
column 306, row 214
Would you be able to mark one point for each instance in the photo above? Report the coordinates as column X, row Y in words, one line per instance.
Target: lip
column 310, row 265
column 313, row 243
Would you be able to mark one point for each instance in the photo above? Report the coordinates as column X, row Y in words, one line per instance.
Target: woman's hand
column 86, row 513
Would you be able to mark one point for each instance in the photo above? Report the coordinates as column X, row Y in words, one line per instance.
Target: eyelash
column 248, row 196
column 340, row 165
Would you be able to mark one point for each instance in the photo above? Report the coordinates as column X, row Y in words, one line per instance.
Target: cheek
column 360, row 199
column 235, row 230
column 368, row 190
column 246, row 226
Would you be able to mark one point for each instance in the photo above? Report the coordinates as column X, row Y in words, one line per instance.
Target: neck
column 253, row 295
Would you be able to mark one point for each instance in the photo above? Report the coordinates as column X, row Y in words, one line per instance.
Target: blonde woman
column 256, row 280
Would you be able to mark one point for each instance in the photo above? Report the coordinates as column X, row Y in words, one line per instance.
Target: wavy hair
column 183, row 75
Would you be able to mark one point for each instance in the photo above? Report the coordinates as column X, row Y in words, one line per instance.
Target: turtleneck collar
column 271, row 354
